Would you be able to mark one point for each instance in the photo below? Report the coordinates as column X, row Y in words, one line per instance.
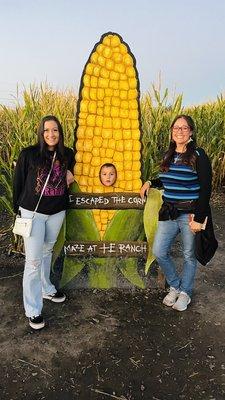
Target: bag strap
column 47, row 179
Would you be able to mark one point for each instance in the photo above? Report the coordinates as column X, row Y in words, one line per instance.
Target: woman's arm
column 155, row 183
column 19, row 178
column 204, row 171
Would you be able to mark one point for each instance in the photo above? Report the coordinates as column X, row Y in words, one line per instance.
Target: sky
column 179, row 43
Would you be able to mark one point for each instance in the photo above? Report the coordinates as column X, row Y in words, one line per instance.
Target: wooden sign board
column 106, row 249
column 106, row 201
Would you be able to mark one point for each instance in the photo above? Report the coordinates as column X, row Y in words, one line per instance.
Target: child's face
column 108, row 176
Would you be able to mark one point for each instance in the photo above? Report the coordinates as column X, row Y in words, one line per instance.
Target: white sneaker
column 171, row 297
column 182, row 302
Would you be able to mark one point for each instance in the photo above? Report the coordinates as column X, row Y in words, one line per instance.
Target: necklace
column 177, row 157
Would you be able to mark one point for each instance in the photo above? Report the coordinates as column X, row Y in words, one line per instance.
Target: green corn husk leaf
column 152, row 206
column 129, row 269
column 72, row 266
column 102, row 273
column 127, row 225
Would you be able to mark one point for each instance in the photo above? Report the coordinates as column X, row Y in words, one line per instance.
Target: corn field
column 18, row 126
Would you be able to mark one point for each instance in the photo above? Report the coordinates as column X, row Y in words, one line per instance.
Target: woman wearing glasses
column 185, row 175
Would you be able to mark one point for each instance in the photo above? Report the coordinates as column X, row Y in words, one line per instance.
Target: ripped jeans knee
column 34, row 264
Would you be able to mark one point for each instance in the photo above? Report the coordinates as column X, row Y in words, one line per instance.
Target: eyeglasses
column 182, row 128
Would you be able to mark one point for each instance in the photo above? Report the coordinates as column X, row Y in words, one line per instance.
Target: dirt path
column 115, row 344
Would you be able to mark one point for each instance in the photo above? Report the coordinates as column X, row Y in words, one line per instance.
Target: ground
column 115, row 344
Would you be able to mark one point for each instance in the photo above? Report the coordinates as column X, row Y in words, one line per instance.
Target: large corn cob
column 107, row 129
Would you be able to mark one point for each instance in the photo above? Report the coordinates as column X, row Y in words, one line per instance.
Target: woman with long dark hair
column 186, row 177
column 32, row 169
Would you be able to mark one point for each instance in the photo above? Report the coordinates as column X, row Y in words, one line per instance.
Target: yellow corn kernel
column 118, row 134
column 128, row 60
column 100, row 111
column 107, row 133
column 96, row 70
column 100, row 48
column 109, row 64
column 105, row 143
column 108, row 92
column 124, row 104
column 100, row 93
column 106, row 112
column 91, row 120
column 80, row 145
column 94, row 81
column 136, row 145
column 128, row 145
column 80, row 132
column 119, row 145
column 92, row 107
column 95, row 152
column 88, row 145
column 115, row 112
column 101, row 61
column 117, row 57
column 129, row 176
column 118, row 156
column 97, row 141
column 84, row 106
column 87, row 158
column 107, row 123
column 114, row 76
column 96, row 161
column 123, row 94
column 136, row 166
column 87, row 80
column 86, row 169
column 136, row 134
column 107, row 101
column 114, row 84
column 111, row 144
column 109, row 153
column 116, row 101
column 103, row 82
column 116, row 123
column 79, row 156
column 126, row 123
column 78, row 168
column 124, row 113
column 102, row 155
column 89, row 69
column 136, row 174
column 104, row 73
column 120, row 68
column 123, row 85
column 93, row 93
column 127, row 156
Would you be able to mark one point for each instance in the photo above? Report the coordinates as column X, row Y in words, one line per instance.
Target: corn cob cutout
column 107, row 125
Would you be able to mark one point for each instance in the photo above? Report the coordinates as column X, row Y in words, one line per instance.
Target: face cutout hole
column 108, row 174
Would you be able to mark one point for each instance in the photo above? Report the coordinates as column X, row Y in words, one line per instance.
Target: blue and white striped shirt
column 180, row 183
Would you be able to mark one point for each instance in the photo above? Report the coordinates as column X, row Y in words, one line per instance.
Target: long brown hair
column 189, row 156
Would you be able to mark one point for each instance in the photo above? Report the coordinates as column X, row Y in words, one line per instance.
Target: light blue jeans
column 38, row 252
column 165, row 237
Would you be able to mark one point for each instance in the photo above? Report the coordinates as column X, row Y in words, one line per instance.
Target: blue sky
column 50, row 40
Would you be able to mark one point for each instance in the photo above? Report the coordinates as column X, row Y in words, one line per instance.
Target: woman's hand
column 145, row 189
column 69, row 178
column 195, row 226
